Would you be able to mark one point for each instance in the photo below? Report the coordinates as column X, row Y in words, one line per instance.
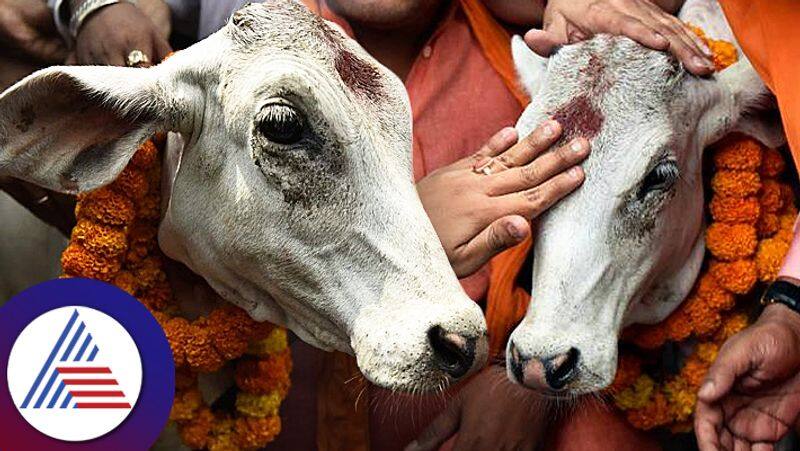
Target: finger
column 540, row 170
column 502, row 234
column 740, row 444
column 497, row 144
column 162, row 49
column 707, row 421
column 733, row 362
column 545, row 42
column 442, row 428
column 523, row 152
column 628, row 25
column 763, row 447
column 535, row 201
column 146, row 46
column 683, row 47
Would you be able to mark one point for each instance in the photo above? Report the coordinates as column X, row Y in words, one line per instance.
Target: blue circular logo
column 87, row 367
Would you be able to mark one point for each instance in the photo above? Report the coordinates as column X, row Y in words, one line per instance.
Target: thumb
column 440, row 429
column 731, row 363
column 502, row 234
column 554, row 34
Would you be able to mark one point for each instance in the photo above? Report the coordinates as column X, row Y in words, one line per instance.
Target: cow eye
column 660, row 179
column 282, row 123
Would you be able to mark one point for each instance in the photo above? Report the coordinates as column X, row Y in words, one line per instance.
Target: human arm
column 751, row 397
column 489, row 412
column 27, row 28
column 477, row 215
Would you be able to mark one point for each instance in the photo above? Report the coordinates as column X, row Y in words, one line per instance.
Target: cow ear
column 530, row 66
column 74, row 129
column 746, row 106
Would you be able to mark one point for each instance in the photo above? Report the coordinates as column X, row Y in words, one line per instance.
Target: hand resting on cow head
column 293, row 197
column 627, row 247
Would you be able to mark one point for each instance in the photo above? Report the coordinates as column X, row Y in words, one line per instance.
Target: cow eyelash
column 660, row 179
column 282, row 123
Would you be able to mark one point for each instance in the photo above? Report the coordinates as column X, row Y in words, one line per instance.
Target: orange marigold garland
column 752, row 214
column 115, row 241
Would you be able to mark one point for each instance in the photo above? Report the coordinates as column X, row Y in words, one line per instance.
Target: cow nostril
column 453, row 353
column 561, row 369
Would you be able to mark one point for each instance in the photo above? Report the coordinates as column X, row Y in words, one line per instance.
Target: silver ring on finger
column 137, row 58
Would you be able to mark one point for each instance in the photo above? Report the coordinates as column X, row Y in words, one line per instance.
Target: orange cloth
column 770, row 37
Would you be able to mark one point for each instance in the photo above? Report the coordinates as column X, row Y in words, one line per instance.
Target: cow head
column 293, row 195
column 627, row 247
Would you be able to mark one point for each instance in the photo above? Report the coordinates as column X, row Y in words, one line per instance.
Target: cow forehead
column 289, row 26
column 608, row 81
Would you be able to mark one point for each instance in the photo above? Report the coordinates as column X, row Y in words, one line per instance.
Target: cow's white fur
column 605, row 258
column 339, row 250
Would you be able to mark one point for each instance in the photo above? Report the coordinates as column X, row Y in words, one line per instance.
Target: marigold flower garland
column 115, row 241
column 753, row 214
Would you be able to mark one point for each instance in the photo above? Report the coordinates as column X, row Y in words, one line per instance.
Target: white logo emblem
column 74, row 373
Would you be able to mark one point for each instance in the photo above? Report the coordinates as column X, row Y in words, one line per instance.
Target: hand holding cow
column 644, row 21
column 109, row 35
column 483, row 204
column 751, row 397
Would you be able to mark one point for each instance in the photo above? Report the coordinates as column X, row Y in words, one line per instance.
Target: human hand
column 751, row 397
column 109, row 35
column 477, row 215
column 28, row 27
column 570, row 21
column 490, row 412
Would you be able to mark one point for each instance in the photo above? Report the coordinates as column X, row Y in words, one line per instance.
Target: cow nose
column 545, row 374
column 453, row 353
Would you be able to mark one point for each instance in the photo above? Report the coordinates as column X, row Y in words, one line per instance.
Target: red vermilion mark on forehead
column 358, row 75
column 579, row 118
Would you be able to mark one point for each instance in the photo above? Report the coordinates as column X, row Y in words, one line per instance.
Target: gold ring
column 137, row 58
column 487, row 167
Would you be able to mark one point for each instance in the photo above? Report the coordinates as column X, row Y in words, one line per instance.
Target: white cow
column 625, row 248
column 293, row 196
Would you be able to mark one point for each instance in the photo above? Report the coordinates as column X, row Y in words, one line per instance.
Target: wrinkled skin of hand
column 751, row 397
column 477, row 215
column 490, row 412
column 571, row 21
column 27, row 28
column 109, row 35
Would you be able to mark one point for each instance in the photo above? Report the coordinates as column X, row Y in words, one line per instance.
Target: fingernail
column 660, row 37
column 706, row 49
column 575, row 172
column 515, row 231
column 707, row 390
column 508, row 132
column 548, row 131
column 702, row 62
column 576, row 146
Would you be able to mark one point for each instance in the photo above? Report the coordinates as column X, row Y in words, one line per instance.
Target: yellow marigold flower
column 264, row 375
column 131, row 182
column 256, row 433
column 258, row 406
column 230, row 329
column 275, row 342
column 223, row 436
column 739, row 153
column 725, row 54
column 637, row 395
column 126, row 282
column 177, row 331
column 731, row 241
column 149, row 272
column 769, row 258
column 738, row 276
column 735, row 209
column 629, row 368
column 772, row 164
column 680, row 398
column 652, row 415
column 771, row 197
column 767, row 225
column 77, row 261
column 713, row 294
column 707, row 352
column 731, row 326
column 146, row 156
column 786, row 227
column 108, row 241
column 186, row 403
column 106, row 207
column 736, row 183
column 195, row 433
